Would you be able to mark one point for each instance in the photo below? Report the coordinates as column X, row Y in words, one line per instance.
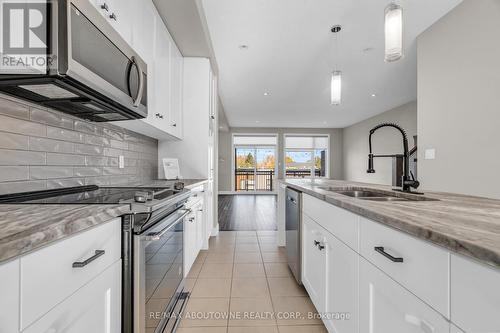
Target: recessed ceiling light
column 374, row 95
column 266, row 93
column 243, row 47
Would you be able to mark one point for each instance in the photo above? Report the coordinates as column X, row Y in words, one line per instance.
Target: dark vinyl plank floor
column 247, row 212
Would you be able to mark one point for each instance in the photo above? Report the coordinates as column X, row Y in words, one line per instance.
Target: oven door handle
column 154, row 236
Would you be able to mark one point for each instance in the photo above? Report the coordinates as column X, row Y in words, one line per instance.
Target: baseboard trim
column 215, row 230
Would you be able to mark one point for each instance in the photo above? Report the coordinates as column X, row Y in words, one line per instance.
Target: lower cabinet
column 341, row 311
column 475, row 301
column 454, row 329
column 314, row 262
column 9, row 296
column 386, row 307
column 330, row 276
column 194, row 234
column 93, row 308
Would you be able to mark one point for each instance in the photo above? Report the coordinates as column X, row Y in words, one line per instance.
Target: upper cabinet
column 119, row 14
column 152, row 41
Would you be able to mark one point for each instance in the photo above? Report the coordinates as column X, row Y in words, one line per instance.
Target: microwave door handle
column 140, row 91
column 154, row 236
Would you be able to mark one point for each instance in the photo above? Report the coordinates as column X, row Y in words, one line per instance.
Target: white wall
column 384, row 141
column 225, row 150
column 459, row 100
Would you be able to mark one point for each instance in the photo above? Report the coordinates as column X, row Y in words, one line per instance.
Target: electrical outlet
column 121, row 162
column 430, row 154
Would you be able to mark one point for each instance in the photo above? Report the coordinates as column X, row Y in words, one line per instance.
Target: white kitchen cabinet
column 9, row 296
column 342, row 274
column 119, row 13
column 152, row 41
column 454, row 329
column 49, row 275
column 190, row 245
column 175, row 114
column 475, row 295
column 340, row 222
column 423, row 270
column 197, row 151
column 386, row 307
column 200, row 230
column 314, row 262
column 96, row 308
column 161, row 82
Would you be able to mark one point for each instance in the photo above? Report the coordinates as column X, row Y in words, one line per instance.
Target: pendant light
column 393, row 32
column 336, row 80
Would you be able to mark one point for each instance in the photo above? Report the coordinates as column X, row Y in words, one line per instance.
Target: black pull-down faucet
column 407, row 182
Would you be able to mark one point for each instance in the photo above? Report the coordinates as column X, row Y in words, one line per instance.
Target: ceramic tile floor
column 244, row 278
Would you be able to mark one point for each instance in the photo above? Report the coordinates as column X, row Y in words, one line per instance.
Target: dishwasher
column 293, row 228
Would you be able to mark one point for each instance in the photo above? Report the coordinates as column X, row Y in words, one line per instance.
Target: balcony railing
column 302, row 173
column 262, row 180
column 250, row 180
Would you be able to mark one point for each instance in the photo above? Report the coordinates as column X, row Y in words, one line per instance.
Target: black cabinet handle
column 380, row 249
column 79, row 264
column 318, row 245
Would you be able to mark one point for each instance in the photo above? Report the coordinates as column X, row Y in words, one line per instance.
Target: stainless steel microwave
column 93, row 73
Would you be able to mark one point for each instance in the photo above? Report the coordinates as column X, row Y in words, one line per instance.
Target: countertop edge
column 450, row 243
column 51, row 233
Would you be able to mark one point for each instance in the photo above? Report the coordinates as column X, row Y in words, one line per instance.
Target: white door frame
column 233, row 161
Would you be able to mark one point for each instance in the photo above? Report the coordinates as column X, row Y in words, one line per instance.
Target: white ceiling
column 291, row 56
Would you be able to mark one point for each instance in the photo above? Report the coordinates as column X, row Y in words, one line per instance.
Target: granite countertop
column 463, row 224
column 26, row 227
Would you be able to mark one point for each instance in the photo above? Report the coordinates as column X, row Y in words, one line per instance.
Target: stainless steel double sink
column 374, row 195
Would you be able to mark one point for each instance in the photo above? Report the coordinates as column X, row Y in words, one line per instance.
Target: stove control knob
column 141, row 197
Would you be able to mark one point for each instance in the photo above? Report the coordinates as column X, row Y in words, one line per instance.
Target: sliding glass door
column 255, row 168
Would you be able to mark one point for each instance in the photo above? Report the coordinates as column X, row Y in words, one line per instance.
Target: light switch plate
column 430, row 154
column 121, row 162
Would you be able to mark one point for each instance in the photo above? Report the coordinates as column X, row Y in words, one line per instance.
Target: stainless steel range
column 152, row 248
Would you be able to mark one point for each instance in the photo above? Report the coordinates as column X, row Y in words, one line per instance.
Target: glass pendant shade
column 336, row 88
column 393, row 32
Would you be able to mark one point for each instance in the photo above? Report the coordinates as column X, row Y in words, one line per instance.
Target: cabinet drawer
column 340, row 222
column 95, row 308
column 9, row 297
column 475, row 301
column 48, row 275
column 424, row 269
column 386, row 307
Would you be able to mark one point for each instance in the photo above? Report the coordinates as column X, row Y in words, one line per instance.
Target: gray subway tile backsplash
column 67, row 182
column 13, row 141
column 65, row 159
column 20, row 126
column 50, row 145
column 42, row 148
column 49, row 172
column 64, row 134
column 13, row 173
column 21, row 157
column 14, row 109
column 51, row 118
column 87, row 171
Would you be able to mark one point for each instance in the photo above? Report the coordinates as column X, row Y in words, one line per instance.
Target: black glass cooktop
column 84, row 195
